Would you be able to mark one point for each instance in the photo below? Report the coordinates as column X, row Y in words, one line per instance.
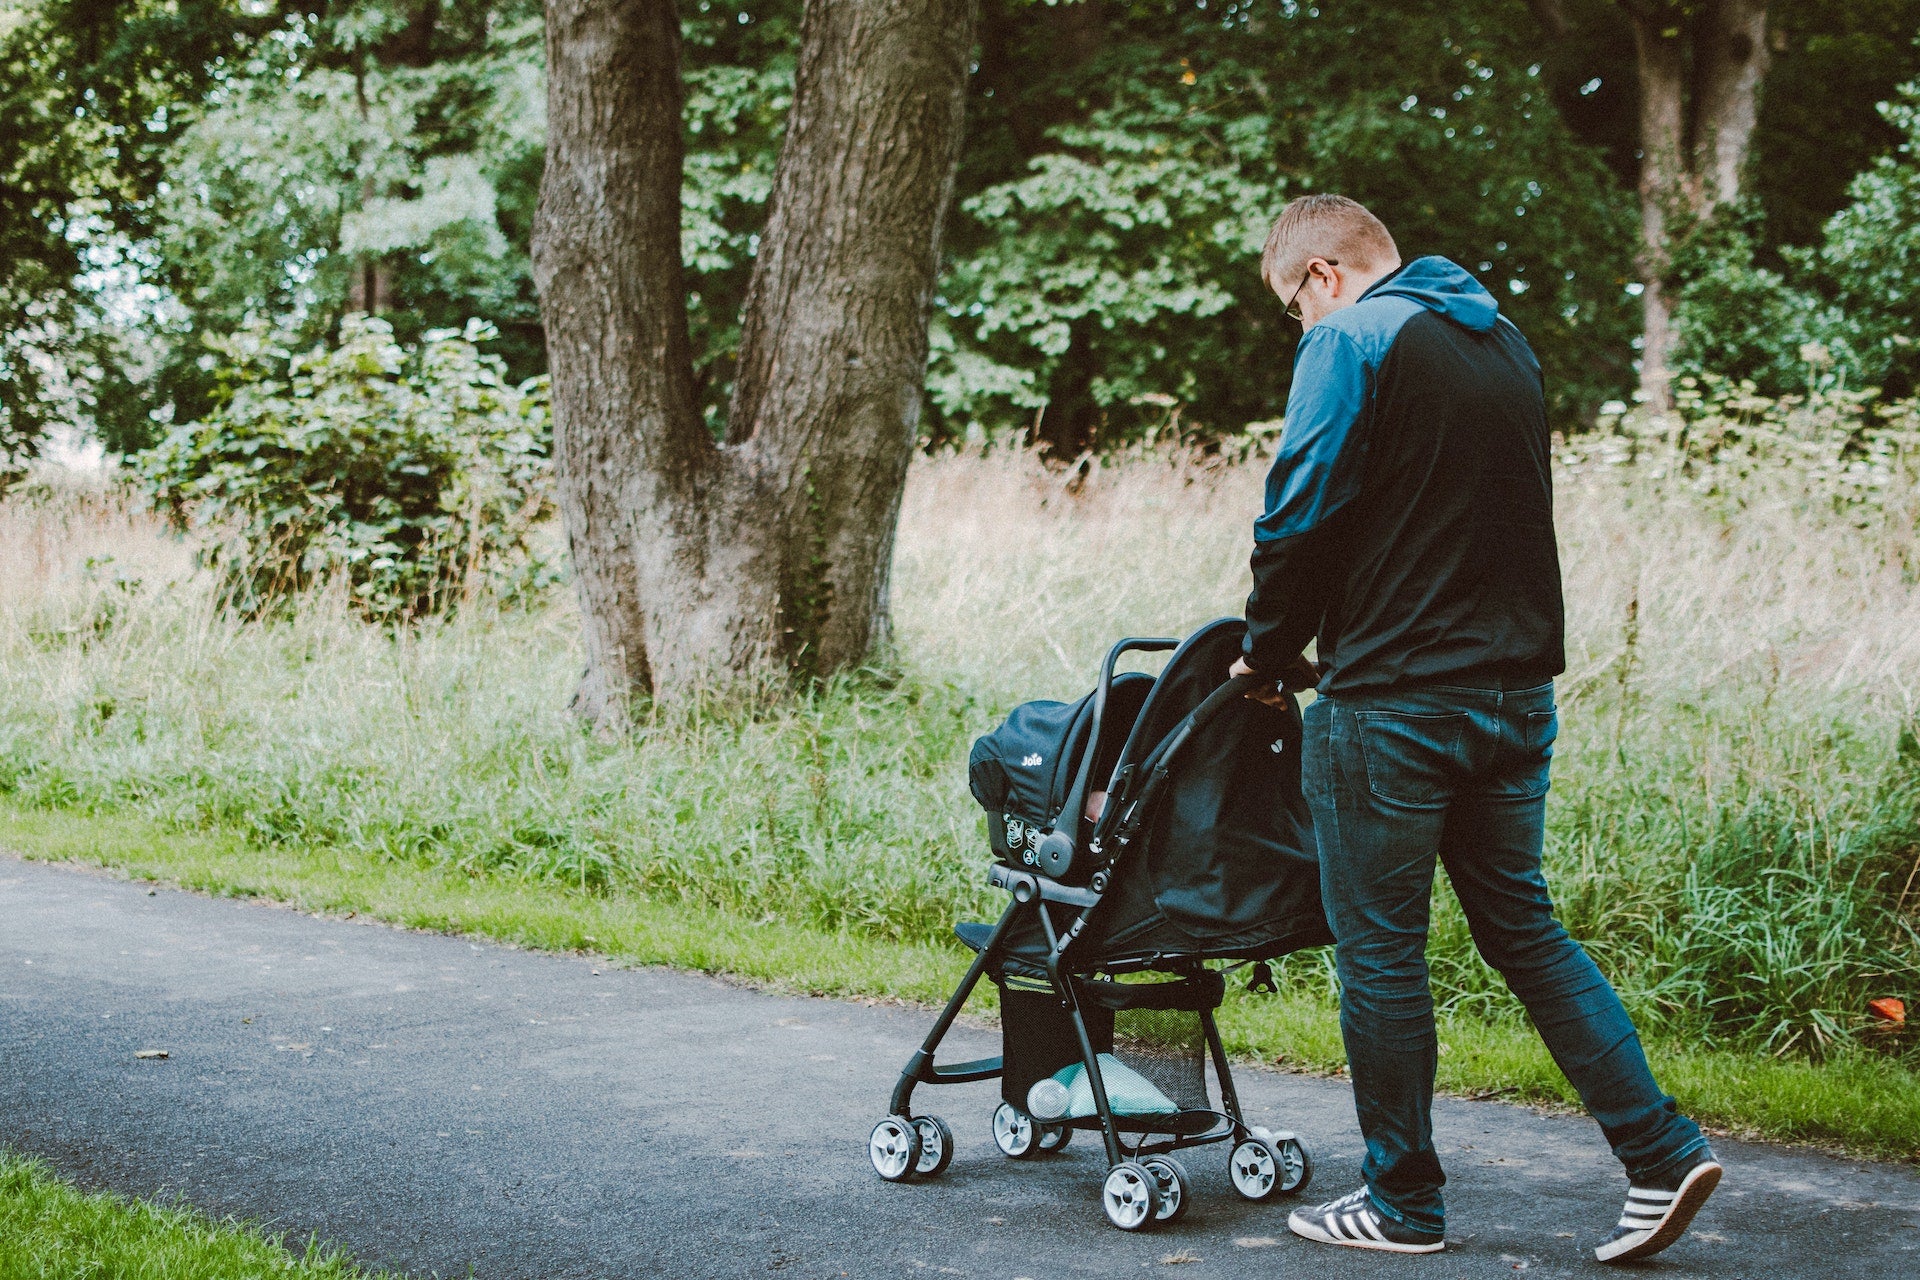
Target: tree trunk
column 1731, row 59
column 1700, row 83
column 1070, row 423
column 700, row 563
column 1662, row 64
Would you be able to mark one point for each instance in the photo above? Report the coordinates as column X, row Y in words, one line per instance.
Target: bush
column 1830, row 451
column 414, row 473
column 1852, row 297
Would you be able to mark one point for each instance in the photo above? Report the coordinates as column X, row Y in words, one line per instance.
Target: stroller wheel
column 1257, row 1168
column 894, row 1149
column 1174, row 1183
column 1055, row 1137
column 936, row 1146
column 1014, row 1132
column 1131, row 1196
column 1299, row 1165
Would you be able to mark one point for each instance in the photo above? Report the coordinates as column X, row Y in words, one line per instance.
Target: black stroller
column 1200, row 849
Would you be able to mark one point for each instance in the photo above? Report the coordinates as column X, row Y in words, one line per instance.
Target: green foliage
column 1833, row 62
column 1827, row 451
column 1120, row 182
column 1871, row 253
column 80, row 109
column 737, row 62
column 1736, row 809
column 169, row 169
column 352, row 148
column 1740, row 319
column 417, row 473
column 1849, row 302
column 49, row 1228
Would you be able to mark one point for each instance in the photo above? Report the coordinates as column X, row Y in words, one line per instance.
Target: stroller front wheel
column 1299, row 1166
column 1131, row 1196
column 936, row 1146
column 1054, row 1137
column 894, row 1148
column 1263, row 1167
column 1014, row 1132
column 1173, row 1180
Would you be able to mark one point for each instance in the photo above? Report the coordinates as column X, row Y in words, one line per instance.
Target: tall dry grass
column 1735, row 826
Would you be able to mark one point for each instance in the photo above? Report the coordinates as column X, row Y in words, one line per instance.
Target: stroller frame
column 1144, row 1186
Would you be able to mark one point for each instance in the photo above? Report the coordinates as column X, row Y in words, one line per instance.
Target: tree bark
column 1662, row 63
column 1700, row 78
column 628, row 441
column 834, row 339
column 702, row 563
column 1731, row 61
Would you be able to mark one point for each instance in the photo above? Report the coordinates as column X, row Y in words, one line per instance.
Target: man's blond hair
column 1324, row 226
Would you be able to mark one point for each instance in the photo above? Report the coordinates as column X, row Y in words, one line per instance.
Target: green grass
column 1853, row 1101
column 50, row 1231
column 1734, row 829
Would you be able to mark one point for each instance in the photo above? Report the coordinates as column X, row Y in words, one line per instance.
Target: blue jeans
column 1396, row 779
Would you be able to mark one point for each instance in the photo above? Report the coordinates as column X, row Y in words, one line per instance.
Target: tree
column 89, row 95
column 1700, row 64
column 1119, row 183
column 700, row 561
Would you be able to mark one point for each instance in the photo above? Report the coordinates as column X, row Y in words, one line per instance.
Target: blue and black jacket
column 1409, row 514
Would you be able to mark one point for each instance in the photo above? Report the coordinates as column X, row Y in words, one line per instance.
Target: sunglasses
column 1293, row 303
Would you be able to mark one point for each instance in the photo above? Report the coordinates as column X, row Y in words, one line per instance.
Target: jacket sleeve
column 1298, row 561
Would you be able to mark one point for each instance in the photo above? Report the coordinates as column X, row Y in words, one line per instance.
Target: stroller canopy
column 1225, row 865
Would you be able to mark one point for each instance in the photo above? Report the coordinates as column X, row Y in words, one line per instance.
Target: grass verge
column 51, row 1231
column 1856, row 1102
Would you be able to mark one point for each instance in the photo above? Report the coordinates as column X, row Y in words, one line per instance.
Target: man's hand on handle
column 1298, row 674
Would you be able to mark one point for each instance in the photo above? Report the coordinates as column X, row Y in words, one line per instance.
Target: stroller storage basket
column 1153, row 826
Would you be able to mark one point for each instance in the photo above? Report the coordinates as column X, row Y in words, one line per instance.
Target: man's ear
column 1333, row 278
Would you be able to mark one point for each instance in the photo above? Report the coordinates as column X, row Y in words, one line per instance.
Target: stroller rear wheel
column 1014, row 1132
column 1174, row 1185
column 1054, row 1137
column 936, row 1146
column 894, row 1148
column 1131, row 1196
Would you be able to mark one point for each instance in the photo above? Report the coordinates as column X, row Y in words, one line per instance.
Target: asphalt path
column 449, row 1108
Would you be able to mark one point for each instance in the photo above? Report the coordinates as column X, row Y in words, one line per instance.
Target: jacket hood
column 1442, row 286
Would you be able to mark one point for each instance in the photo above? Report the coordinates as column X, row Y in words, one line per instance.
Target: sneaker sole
column 1307, row 1229
column 1693, row 1192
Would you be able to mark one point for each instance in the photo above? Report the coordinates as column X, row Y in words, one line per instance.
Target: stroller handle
column 1160, row 760
column 1057, row 849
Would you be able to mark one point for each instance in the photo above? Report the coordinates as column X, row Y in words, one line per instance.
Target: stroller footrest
column 961, row 1072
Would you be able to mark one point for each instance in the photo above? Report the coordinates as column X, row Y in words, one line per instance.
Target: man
column 1409, row 527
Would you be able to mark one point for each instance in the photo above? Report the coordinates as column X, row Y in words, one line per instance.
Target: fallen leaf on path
column 1256, row 1242
column 151, row 1053
column 1175, row 1259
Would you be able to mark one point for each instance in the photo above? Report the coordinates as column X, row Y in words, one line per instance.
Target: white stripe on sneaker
column 1654, row 1218
column 1354, row 1221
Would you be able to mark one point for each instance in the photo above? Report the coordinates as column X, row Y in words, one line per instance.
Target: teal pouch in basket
column 1066, row 1095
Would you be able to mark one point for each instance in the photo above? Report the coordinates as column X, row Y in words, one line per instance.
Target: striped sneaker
column 1657, row 1216
column 1353, row 1220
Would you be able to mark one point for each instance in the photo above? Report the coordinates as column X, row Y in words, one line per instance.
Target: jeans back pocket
column 1526, row 774
column 1411, row 759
